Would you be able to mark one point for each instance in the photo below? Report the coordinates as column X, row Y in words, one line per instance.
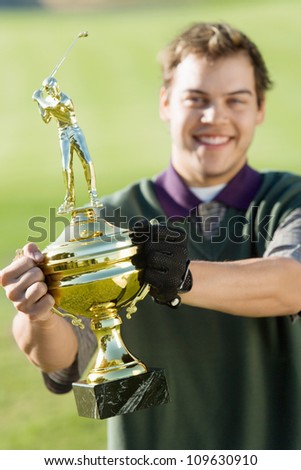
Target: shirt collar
column 176, row 199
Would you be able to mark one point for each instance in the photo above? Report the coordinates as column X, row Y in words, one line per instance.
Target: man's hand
column 23, row 281
column 163, row 257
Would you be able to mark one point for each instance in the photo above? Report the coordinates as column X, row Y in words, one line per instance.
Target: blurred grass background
column 113, row 78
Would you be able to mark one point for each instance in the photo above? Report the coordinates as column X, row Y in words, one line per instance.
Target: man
column 231, row 351
column 53, row 103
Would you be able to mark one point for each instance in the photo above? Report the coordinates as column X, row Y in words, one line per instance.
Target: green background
column 113, row 78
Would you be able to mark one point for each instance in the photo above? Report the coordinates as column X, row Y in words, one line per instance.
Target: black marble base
column 101, row 401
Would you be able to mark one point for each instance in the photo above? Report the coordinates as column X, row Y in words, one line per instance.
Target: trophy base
column 101, row 401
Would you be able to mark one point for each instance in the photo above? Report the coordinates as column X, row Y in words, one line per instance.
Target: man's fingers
column 15, row 290
column 32, row 251
column 23, row 281
column 17, row 268
column 40, row 310
column 34, row 301
column 36, row 291
column 25, row 259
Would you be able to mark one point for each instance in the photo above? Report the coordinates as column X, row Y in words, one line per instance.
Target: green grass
column 114, row 79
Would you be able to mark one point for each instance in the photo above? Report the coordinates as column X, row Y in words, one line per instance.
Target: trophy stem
column 113, row 361
column 118, row 383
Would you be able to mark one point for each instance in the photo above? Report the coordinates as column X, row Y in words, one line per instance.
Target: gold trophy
column 90, row 274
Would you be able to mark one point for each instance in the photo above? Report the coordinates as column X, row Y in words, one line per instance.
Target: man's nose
column 213, row 114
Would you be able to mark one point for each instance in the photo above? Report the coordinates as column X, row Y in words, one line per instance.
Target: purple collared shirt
column 176, row 198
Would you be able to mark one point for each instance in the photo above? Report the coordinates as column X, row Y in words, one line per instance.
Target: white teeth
column 213, row 140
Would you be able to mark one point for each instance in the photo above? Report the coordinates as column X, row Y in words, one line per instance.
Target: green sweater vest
column 235, row 382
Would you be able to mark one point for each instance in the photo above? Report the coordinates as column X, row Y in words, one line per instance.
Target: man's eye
column 236, row 101
column 195, row 100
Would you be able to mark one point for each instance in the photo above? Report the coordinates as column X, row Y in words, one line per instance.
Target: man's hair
column 215, row 41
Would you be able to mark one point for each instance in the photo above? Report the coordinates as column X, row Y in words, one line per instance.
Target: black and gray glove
column 163, row 258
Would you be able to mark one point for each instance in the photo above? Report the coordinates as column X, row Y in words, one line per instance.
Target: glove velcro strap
column 186, row 284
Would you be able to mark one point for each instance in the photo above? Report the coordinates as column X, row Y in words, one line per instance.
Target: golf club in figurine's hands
column 90, row 273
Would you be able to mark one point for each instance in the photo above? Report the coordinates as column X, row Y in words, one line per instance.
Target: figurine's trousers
column 72, row 139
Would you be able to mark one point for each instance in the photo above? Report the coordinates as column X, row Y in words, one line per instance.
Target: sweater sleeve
column 287, row 238
column 287, row 242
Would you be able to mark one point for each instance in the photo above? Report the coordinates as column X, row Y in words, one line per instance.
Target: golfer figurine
column 55, row 104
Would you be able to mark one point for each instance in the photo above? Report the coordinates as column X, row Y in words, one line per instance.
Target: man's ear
column 164, row 104
column 261, row 112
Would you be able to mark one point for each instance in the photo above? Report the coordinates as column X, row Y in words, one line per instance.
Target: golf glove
column 163, row 258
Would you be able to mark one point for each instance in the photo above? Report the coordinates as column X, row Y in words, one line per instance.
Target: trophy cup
column 90, row 274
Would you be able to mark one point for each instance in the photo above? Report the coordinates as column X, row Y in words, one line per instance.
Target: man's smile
column 212, row 140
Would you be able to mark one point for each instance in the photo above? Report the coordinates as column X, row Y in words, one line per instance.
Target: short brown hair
column 214, row 40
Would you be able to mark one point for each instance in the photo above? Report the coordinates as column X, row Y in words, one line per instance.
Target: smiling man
column 211, row 107
column 232, row 350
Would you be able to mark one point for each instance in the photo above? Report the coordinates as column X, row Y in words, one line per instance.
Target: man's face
column 212, row 111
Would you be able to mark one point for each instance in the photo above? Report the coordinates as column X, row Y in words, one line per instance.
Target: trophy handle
column 140, row 296
column 75, row 321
